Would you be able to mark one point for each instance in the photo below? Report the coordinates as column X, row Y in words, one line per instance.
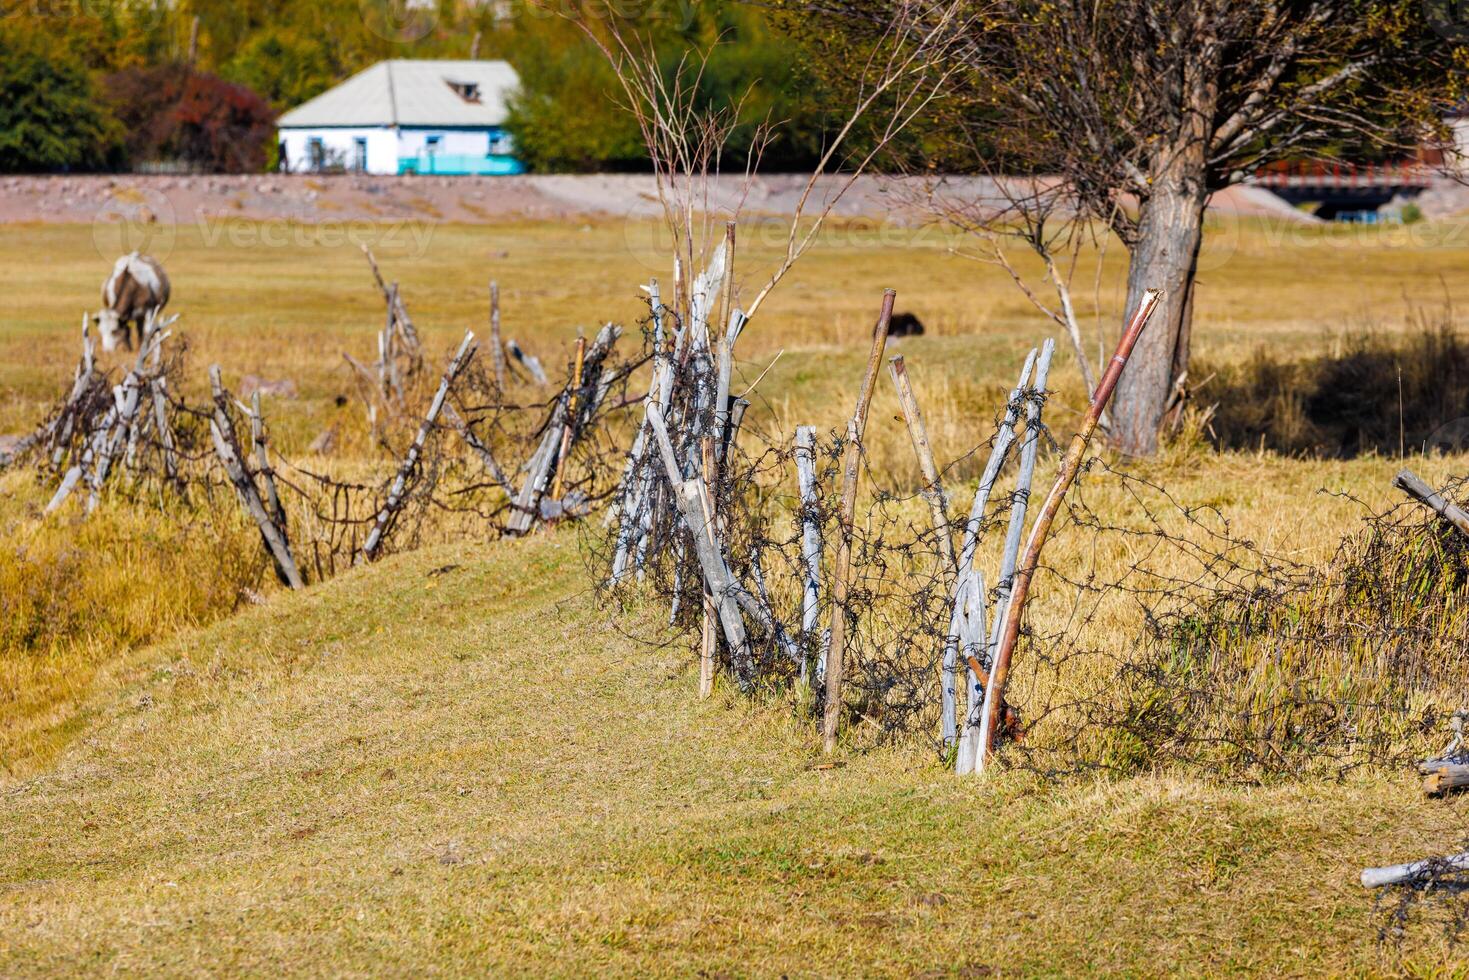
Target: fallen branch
column 1409, row 482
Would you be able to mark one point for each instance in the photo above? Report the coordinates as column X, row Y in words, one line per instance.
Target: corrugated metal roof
column 411, row 93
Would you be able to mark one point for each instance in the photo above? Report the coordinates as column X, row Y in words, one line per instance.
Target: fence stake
column 1409, row 482
column 969, row 740
column 410, row 461
column 852, row 467
column 222, row 431
column 999, row 451
column 497, row 347
column 815, row 657
column 994, row 691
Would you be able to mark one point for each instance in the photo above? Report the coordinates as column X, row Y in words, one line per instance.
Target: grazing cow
column 905, row 325
column 137, row 287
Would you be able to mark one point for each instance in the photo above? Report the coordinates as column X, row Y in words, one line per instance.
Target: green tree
column 282, row 66
column 51, row 115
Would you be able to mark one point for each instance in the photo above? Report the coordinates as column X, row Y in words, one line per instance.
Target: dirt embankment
column 182, row 199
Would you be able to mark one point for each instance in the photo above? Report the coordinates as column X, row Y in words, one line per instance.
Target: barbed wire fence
column 441, row 439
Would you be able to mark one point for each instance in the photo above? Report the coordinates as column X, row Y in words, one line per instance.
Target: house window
column 432, row 143
column 359, row 154
column 315, row 153
column 499, row 143
column 468, row 91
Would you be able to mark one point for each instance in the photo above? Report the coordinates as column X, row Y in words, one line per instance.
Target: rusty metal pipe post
column 994, row 691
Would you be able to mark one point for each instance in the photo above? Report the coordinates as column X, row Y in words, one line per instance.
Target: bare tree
column 1143, row 108
column 902, row 74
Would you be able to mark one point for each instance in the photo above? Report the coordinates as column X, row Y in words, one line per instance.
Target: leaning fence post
column 709, row 646
column 262, row 459
column 222, row 431
column 1410, row 483
column 969, row 741
column 994, row 691
column 410, row 461
column 717, row 576
column 999, row 452
column 852, row 463
column 933, row 489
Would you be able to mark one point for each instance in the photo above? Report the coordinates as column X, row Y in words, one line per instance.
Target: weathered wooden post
column 222, row 432
column 1411, row 484
column 165, row 431
column 994, row 691
column 851, row 466
column 969, row 740
column 999, row 452
column 410, row 461
column 814, row 659
column 581, row 353
column 933, row 489
column 688, row 498
column 262, row 460
column 709, row 647
column 497, row 347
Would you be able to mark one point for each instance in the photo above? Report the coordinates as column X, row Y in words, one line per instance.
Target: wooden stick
column 410, row 462
column 1397, row 874
column 531, row 364
column 717, row 576
column 709, row 648
column 999, row 452
column 994, row 692
column 497, row 347
column 222, row 432
column 1444, row 777
column 581, row 353
column 969, row 740
column 165, row 431
column 479, row 449
column 815, row 659
column 852, row 467
column 527, row 509
column 933, row 489
column 262, row 460
column 1409, row 482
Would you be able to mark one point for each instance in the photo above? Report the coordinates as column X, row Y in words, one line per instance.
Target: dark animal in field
column 137, row 287
column 905, row 325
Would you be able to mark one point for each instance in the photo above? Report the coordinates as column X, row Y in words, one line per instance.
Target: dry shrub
column 1348, row 665
column 1370, row 391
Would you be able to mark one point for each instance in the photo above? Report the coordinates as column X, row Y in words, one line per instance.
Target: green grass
column 473, row 773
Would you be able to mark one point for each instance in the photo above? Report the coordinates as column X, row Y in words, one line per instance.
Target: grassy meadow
column 477, row 770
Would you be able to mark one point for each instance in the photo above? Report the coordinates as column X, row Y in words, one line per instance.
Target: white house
column 399, row 116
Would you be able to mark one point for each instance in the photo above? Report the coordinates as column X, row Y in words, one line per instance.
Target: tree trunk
column 1165, row 255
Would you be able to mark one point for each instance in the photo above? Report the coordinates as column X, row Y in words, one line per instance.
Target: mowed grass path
column 473, row 772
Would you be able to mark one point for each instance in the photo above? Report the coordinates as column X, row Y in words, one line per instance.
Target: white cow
column 137, row 287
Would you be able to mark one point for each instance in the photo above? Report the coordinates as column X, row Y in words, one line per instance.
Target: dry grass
column 395, row 772
column 398, row 773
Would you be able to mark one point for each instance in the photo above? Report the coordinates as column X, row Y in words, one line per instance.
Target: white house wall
column 382, row 147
